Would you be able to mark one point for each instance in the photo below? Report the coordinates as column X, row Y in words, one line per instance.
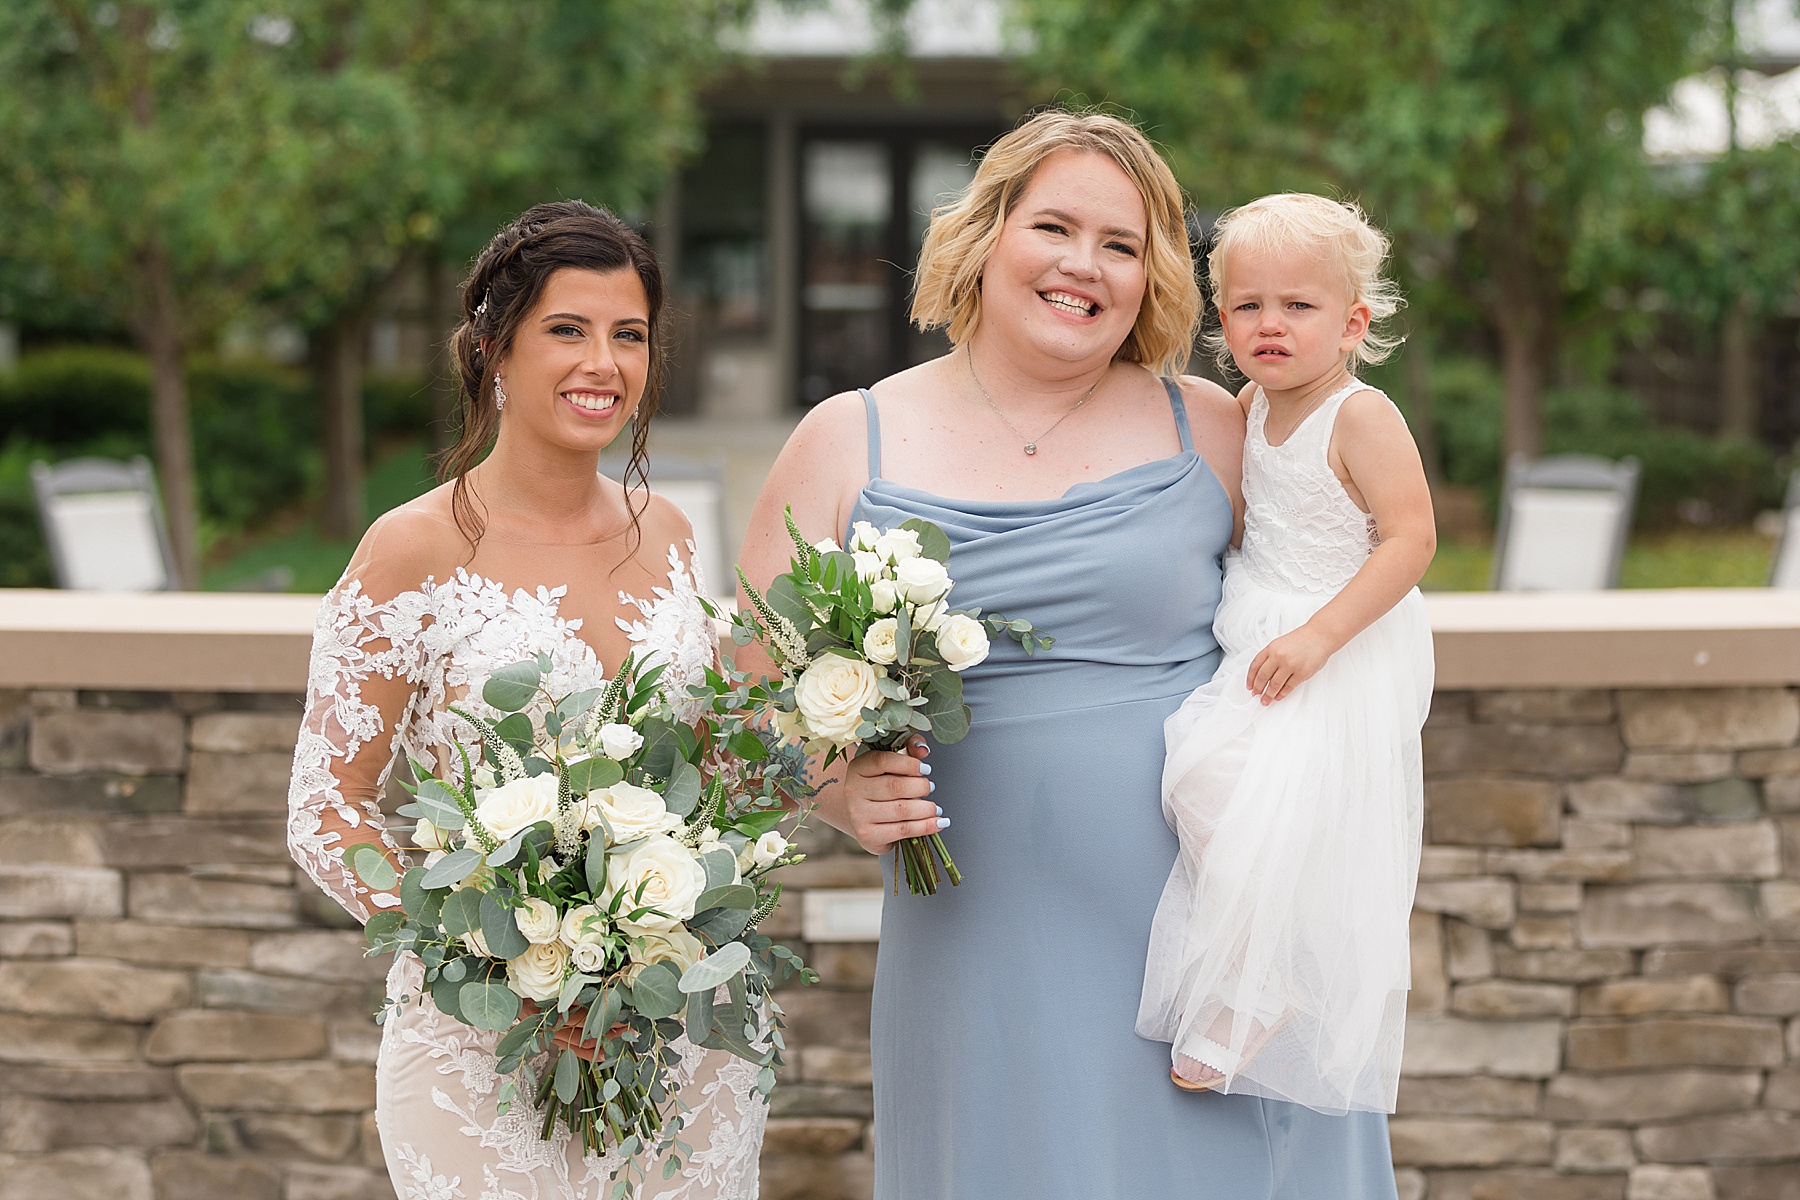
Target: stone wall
column 1607, row 961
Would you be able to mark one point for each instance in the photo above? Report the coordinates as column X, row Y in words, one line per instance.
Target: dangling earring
column 499, row 393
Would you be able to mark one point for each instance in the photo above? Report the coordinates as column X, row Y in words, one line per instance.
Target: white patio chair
column 1784, row 572
column 1563, row 523
column 698, row 489
column 104, row 525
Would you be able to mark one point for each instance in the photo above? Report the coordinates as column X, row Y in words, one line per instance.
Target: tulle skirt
column 1279, row 952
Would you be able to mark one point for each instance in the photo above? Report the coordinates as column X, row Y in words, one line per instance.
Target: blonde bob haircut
column 947, row 287
column 1290, row 222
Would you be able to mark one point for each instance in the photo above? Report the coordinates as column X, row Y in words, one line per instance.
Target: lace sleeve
column 367, row 663
column 675, row 630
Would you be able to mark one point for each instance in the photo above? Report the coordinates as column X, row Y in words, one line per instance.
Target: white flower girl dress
column 1279, row 953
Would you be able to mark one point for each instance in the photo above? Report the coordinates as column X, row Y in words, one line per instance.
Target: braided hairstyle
column 508, row 278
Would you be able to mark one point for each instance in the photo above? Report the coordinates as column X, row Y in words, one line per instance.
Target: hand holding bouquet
column 871, row 652
column 593, row 891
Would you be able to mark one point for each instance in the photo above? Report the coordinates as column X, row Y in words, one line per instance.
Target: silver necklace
column 1030, row 443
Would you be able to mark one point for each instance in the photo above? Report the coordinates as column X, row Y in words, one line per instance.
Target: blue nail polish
column 933, row 789
column 940, row 809
column 943, row 822
column 924, row 768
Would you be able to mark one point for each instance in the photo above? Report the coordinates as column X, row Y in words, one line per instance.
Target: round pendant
column 1031, row 447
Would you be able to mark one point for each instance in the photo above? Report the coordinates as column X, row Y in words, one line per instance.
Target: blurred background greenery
column 210, row 210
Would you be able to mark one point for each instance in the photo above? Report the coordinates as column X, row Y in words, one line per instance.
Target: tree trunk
column 1522, row 364
column 1422, row 400
column 159, row 332
column 440, row 319
column 1740, row 407
column 338, row 370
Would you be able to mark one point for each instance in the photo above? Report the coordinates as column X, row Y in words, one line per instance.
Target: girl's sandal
column 1188, row 1085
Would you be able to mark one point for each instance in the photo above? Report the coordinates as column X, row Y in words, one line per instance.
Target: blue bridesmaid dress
column 1005, row 1059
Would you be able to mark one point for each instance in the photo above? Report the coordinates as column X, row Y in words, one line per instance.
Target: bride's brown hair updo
column 505, row 283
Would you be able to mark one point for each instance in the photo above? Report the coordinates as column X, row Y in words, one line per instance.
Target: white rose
column 575, row 927
column 883, row 595
column 670, row 877
column 476, row 941
column 789, row 725
column 868, row 565
column 709, row 837
column 769, row 847
column 538, row 920
column 537, row 974
column 921, row 580
column 483, row 778
column 863, row 536
column 930, row 617
column 881, row 642
column 589, row 956
column 832, row 694
column 427, row 836
column 898, row 545
column 677, row 946
column 961, row 642
column 518, row 805
column 828, row 546
column 633, row 812
column 620, row 741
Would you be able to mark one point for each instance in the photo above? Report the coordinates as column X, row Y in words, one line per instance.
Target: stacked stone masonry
column 1606, row 948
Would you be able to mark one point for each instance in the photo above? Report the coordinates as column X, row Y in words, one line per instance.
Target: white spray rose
column 790, row 725
column 620, row 741
column 769, row 847
column 576, row 927
column 832, row 694
column 828, row 546
column 961, row 642
column 537, row 974
column 881, row 642
column 671, row 879
column 427, row 836
column 484, row 778
column 518, row 805
column 677, row 946
column 930, row 617
column 589, row 956
column 863, row 536
column 476, row 941
column 633, row 812
column 898, row 545
column 883, row 595
column 538, row 920
column 868, row 565
column 921, row 580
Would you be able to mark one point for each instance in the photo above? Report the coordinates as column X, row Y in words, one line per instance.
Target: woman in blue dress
column 1084, row 489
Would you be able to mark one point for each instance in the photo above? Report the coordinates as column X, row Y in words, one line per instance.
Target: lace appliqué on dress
column 445, row 1138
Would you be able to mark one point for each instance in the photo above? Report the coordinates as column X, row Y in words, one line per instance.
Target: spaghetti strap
column 1180, row 407
column 874, row 434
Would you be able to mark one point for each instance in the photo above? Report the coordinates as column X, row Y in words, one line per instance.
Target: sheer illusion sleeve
column 368, row 661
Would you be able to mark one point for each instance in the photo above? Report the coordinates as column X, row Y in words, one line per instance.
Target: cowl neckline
column 1081, row 492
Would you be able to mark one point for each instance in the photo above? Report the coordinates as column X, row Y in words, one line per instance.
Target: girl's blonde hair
column 1297, row 220
column 947, row 286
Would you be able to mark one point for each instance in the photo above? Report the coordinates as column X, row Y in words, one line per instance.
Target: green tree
column 1490, row 137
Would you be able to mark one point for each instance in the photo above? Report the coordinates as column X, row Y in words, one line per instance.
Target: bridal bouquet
column 593, row 890
column 871, row 652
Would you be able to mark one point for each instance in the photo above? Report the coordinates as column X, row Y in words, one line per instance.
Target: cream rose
column 769, row 847
column 868, row 565
column 961, row 642
column 883, row 595
column 633, row 812
column 427, row 836
column 537, row 974
column 881, row 642
column 576, row 928
column 670, row 878
column 863, row 536
column 677, row 946
column 789, row 725
column 538, row 920
column 832, row 694
column 930, row 617
column 620, row 741
column 921, row 580
column 898, row 545
column 589, row 956
column 518, row 805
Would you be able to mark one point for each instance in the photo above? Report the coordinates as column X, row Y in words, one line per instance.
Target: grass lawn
column 1678, row 558
column 297, row 547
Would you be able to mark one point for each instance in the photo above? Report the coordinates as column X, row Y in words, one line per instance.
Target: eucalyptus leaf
column 571, row 988
column 576, row 704
column 568, row 1077
column 748, row 745
column 591, row 774
column 603, row 1014
column 699, row 1014
column 488, row 1005
column 657, row 992
column 784, row 598
column 719, row 925
column 683, row 790
column 513, row 686
column 594, row 865
column 382, row 926
column 933, row 541
column 455, row 970
column 734, row 895
column 439, row 803
column 662, row 746
column 444, row 993
column 716, row 968
column 721, row 868
column 371, row 866
column 516, row 1037
column 500, row 930
column 462, row 912
column 453, row 868
column 903, row 633
column 516, row 731
column 944, row 708
column 754, row 824
column 509, row 849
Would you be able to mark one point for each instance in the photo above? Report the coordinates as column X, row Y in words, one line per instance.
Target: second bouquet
column 870, row 653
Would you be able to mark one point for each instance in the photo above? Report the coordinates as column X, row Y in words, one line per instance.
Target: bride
column 527, row 550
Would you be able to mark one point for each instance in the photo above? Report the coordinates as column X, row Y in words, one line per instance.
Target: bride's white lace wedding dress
column 386, row 663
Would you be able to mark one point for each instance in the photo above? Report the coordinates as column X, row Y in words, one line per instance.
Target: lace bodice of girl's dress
column 383, row 672
column 1302, row 532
